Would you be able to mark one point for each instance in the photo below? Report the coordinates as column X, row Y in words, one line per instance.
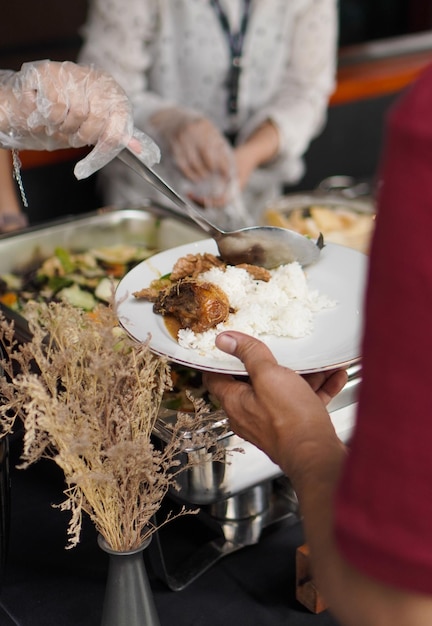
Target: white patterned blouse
column 175, row 52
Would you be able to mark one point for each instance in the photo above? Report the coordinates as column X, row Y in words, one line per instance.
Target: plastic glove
column 222, row 201
column 49, row 105
column 196, row 146
column 193, row 146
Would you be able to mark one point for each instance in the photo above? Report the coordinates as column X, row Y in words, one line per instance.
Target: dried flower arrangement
column 88, row 397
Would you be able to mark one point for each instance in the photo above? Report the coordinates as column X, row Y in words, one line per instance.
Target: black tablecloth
column 46, row 585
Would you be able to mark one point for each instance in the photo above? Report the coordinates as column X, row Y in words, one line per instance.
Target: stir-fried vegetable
column 82, row 278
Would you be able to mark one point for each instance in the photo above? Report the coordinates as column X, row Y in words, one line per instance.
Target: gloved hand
column 50, row 105
column 196, row 146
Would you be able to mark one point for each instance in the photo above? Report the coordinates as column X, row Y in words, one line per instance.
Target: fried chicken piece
column 196, row 305
column 256, row 271
column 194, row 264
column 151, row 293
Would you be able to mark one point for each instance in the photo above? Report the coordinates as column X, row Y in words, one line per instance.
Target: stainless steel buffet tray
column 210, row 481
column 243, row 465
column 104, row 228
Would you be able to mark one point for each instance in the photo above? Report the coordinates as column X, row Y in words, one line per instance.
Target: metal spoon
column 267, row 246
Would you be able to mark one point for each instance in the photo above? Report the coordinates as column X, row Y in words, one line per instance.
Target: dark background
column 366, row 20
column 349, row 145
column 35, row 29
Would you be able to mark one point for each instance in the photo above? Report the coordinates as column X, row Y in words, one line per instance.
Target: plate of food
column 181, row 298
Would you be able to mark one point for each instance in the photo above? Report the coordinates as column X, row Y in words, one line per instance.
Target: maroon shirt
column 384, row 503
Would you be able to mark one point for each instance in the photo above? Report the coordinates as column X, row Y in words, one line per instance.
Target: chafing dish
column 244, row 466
column 211, row 481
column 341, row 210
column 102, row 228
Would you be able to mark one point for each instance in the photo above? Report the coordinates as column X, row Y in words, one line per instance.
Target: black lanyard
column 235, row 42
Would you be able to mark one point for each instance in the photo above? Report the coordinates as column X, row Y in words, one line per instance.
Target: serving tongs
column 267, row 246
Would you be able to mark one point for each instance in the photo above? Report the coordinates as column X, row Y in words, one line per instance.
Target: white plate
column 339, row 273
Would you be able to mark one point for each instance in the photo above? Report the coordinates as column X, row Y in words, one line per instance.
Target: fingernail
column 226, row 342
column 135, row 145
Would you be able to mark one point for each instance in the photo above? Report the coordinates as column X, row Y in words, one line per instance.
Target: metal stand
column 241, row 520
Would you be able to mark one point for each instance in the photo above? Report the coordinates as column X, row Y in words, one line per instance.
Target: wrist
column 311, row 456
column 260, row 148
column 12, row 220
column 245, row 163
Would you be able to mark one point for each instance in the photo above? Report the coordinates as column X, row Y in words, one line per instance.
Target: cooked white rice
column 283, row 307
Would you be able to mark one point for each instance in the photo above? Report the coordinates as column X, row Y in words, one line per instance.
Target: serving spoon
column 267, row 246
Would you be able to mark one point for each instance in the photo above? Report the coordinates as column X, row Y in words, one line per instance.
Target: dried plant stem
column 89, row 397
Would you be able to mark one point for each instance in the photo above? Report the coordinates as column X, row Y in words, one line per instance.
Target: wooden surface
column 306, row 591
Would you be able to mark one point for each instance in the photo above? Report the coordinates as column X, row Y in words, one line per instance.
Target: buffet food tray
column 340, row 217
column 210, row 481
column 104, row 228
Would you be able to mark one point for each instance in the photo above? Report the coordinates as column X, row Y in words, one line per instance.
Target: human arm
column 261, row 147
column 284, row 415
column 196, row 145
column 51, row 105
column 298, row 104
column 200, row 152
column 188, row 139
column 283, row 121
column 11, row 215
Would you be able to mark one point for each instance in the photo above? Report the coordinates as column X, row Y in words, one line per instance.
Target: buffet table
column 44, row 584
